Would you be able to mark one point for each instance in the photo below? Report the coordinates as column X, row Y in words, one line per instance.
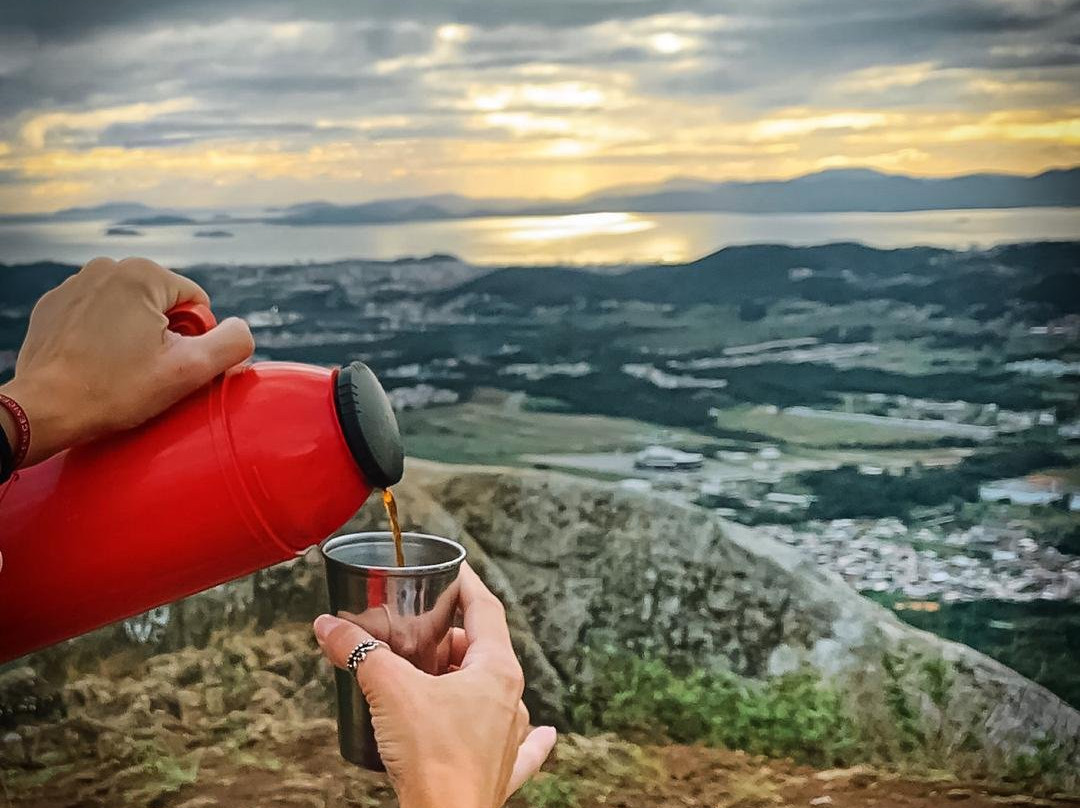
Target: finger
column 485, row 622
column 379, row 671
column 452, row 649
column 205, row 356
column 531, row 755
column 183, row 290
column 167, row 288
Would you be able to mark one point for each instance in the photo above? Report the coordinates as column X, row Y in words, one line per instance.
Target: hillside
column 803, row 668
column 828, row 191
column 829, row 273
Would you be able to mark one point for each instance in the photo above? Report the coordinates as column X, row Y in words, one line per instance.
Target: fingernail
column 324, row 624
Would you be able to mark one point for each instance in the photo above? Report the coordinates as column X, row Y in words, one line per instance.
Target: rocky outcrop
column 583, row 565
column 593, row 565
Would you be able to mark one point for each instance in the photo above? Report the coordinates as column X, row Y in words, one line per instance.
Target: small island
column 158, row 220
column 213, row 234
column 123, row 231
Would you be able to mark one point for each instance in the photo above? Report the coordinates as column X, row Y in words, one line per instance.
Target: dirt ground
column 590, row 771
column 248, row 722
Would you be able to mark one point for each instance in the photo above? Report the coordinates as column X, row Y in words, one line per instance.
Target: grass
column 817, row 432
column 550, row 791
column 500, row 434
column 801, row 716
column 795, row 715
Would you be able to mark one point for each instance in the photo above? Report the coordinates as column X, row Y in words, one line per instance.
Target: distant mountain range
column 835, row 190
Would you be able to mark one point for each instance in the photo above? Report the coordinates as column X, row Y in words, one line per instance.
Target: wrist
column 48, row 431
column 434, row 789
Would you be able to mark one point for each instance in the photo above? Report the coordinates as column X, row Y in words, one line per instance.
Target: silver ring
column 360, row 652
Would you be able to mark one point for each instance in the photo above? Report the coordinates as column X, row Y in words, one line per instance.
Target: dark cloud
column 74, row 19
column 356, row 59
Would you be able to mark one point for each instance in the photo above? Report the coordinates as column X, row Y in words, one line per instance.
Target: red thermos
column 265, row 461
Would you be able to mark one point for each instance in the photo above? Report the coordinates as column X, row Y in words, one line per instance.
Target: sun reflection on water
column 578, row 226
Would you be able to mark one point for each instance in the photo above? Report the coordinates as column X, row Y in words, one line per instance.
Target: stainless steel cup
column 409, row 608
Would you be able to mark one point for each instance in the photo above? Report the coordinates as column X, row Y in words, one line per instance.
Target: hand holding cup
column 460, row 737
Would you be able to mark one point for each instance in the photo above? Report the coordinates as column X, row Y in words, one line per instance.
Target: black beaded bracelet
column 7, row 458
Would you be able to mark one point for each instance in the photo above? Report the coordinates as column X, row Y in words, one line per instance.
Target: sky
column 262, row 102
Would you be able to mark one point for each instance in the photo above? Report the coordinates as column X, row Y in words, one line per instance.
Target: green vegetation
column 1060, row 530
column 844, row 492
column 798, row 715
column 501, row 433
column 907, row 677
column 1037, row 639
column 1045, row 762
column 795, row 715
column 550, row 791
column 165, row 774
column 781, row 426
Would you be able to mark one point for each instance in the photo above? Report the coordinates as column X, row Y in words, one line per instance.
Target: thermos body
column 264, row 462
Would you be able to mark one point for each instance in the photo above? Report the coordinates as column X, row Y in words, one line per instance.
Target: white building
column 663, row 457
column 798, row 500
column 1022, row 491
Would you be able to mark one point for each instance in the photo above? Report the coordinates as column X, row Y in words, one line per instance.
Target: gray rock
column 581, row 564
column 591, row 565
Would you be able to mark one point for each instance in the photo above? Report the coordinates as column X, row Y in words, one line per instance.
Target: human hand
column 98, row 356
column 458, row 740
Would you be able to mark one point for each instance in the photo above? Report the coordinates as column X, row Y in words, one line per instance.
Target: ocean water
column 591, row 238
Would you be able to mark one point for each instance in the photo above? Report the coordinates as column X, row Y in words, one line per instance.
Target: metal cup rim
column 393, row 571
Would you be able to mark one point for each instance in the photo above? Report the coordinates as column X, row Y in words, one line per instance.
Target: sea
column 610, row 238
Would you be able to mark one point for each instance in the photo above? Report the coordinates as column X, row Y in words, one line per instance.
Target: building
column 1070, row 431
column 1033, row 490
column 419, row 397
column 663, row 457
column 797, row 500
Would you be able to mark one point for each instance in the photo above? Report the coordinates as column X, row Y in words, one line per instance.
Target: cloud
column 240, row 98
column 38, row 128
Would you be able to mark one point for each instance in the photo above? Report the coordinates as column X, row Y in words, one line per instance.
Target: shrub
column 796, row 715
column 549, row 791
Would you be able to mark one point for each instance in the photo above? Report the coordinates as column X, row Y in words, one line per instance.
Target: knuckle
column 136, row 269
column 136, row 263
column 510, row 678
column 245, row 338
column 494, row 604
column 98, row 266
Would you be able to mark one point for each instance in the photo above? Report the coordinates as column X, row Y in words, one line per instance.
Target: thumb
column 532, row 753
column 214, row 352
column 381, row 669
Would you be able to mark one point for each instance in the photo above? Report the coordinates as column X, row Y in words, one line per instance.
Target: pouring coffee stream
column 391, row 513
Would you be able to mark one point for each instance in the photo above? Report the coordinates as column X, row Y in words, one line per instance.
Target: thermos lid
column 368, row 423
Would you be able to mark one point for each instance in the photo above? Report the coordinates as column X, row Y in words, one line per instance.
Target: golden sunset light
column 240, row 107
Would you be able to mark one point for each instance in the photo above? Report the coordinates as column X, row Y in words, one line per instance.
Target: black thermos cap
column 368, row 423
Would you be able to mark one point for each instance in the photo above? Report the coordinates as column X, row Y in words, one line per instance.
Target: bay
column 591, row 238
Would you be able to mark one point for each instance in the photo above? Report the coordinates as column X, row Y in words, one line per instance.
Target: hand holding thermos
column 115, row 520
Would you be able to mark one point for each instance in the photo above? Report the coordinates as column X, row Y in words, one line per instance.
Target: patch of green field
column 488, row 433
column 903, row 348
column 817, row 432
